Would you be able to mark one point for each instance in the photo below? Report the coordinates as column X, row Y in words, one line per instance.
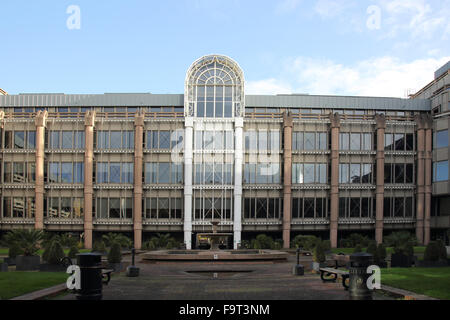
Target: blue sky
column 361, row 47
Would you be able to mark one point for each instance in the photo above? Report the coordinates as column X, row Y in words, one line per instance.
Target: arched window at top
column 214, row 88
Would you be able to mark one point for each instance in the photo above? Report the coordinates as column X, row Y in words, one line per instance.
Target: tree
column 115, row 253
column 319, row 253
column 28, row 241
column 55, row 253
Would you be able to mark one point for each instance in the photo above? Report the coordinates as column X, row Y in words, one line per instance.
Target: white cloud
column 268, row 86
column 385, row 76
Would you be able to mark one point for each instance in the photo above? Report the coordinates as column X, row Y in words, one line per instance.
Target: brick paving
column 267, row 281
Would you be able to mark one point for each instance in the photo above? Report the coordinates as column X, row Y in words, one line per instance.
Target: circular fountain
column 215, row 240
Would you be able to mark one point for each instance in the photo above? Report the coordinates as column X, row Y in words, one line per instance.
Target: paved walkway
column 259, row 282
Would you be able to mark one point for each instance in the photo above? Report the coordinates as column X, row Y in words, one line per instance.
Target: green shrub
column 432, row 252
column 358, row 249
column 381, row 253
column 255, row 244
column 120, row 238
column 115, row 253
column 305, row 242
column 245, row 244
column 172, row 244
column 319, row 253
column 80, row 245
column 263, row 241
column 55, row 253
column 28, row 241
column 442, row 249
column 326, row 245
column 151, row 244
column 277, row 244
column 14, row 250
column 353, row 240
column 99, row 247
column 73, row 252
column 398, row 239
column 372, row 249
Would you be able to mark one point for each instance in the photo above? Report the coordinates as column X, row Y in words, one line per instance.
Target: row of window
column 262, row 140
column 114, row 140
column 18, row 207
column 213, row 208
column 114, row 208
column 213, row 173
column 355, row 173
column 355, row 141
column 214, row 140
column 399, row 207
column 356, row 207
column 263, row 208
column 398, row 173
column 261, row 173
column 163, row 208
column 163, row 173
column 19, row 172
column 65, row 140
column 66, row 172
column 115, row 172
column 309, row 173
column 309, row 141
column 398, row 141
column 164, row 139
column 304, row 208
column 64, row 208
column 19, row 140
column 214, row 101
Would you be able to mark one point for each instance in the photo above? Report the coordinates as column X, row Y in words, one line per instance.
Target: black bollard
column 359, row 262
column 91, row 276
column 132, row 271
column 298, row 269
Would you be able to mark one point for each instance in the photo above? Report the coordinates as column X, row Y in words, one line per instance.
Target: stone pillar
column 238, row 163
column 188, row 158
column 420, row 178
column 287, row 188
column 379, row 215
column 41, row 119
column 89, row 124
column 138, row 166
column 428, row 177
column 334, row 194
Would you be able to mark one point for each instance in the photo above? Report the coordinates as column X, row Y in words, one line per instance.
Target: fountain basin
column 214, row 255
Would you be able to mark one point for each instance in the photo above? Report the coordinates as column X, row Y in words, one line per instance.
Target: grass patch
column 389, row 250
column 4, row 251
column 433, row 282
column 14, row 284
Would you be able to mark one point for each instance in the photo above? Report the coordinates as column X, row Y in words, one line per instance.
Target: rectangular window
column 164, row 140
column 102, row 172
column 54, row 139
column 18, row 172
column 441, row 139
column 355, row 141
column 163, row 173
column 355, row 173
column 79, row 141
column 127, row 173
column 344, row 141
column 103, row 140
column 343, row 173
column 19, row 140
column 54, row 172
column 79, row 172
column 67, row 140
column 114, row 172
column 7, row 172
column 441, row 171
column 388, row 141
column 309, row 141
column 116, row 140
column 66, row 172
column 367, row 141
column 31, row 140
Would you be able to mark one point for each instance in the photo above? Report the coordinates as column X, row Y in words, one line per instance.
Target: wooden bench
column 332, row 274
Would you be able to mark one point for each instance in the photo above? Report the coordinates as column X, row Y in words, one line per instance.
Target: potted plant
column 434, row 256
column 115, row 257
column 380, row 257
column 53, row 256
column 13, row 252
column 3, row 266
column 403, row 255
column 28, row 242
column 318, row 257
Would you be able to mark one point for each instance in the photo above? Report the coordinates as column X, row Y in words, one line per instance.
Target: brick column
column 88, row 173
column 420, row 178
column 287, row 188
column 379, row 216
column 138, row 159
column 428, row 177
column 334, row 194
column 41, row 119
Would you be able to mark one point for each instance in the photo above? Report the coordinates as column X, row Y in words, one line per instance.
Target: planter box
column 10, row 261
column 432, row 264
column 399, row 260
column 117, row 267
column 316, row 266
column 27, row 263
column 46, row 267
column 3, row 267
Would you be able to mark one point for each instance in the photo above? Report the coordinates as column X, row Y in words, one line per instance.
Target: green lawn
column 14, row 284
column 4, row 251
column 417, row 250
column 433, row 282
